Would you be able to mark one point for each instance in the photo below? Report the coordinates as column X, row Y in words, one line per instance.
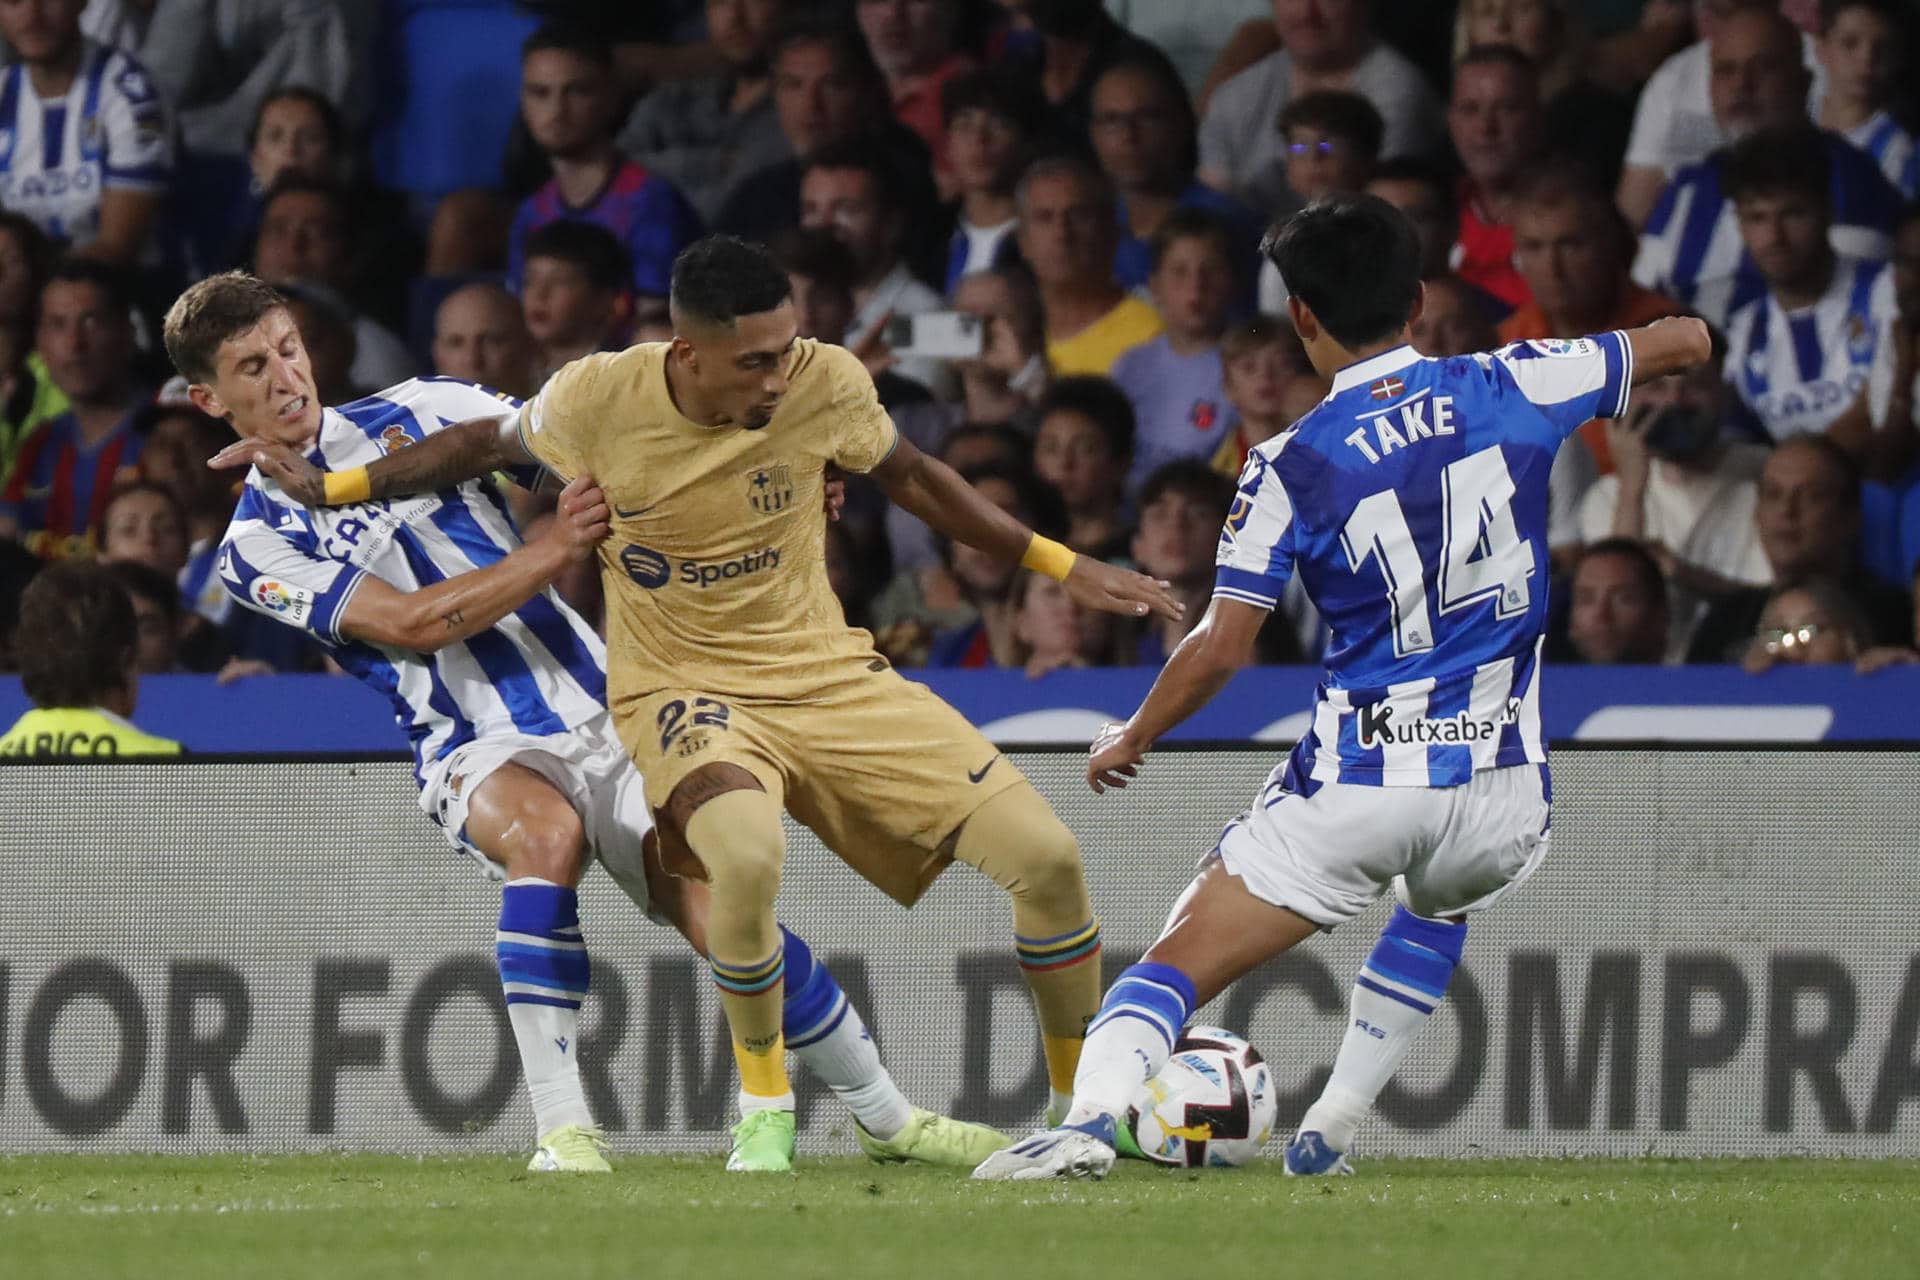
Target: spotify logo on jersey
column 646, row 566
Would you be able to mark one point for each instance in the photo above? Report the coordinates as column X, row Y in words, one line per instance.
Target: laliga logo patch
column 1561, row 347
column 279, row 597
column 395, row 438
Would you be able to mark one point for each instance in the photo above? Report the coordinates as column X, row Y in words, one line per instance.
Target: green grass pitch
column 353, row 1216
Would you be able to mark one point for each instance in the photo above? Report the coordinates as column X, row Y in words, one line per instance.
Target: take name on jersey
column 540, row 670
column 1412, row 505
column 1796, row 371
column 109, row 130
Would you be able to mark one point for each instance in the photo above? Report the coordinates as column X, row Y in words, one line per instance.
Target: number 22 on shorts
column 673, row 721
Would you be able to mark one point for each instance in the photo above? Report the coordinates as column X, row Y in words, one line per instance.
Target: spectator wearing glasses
column 1333, row 146
column 1820, row 623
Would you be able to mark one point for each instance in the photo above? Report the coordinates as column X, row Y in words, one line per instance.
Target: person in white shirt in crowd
column 1799, row 354
column 1676, row 122
column 1690, row 249
column 86, row 142
column 1683, row 491
column 1864, row 50
column 1880, row 429
column 1176, row 380
column 1326, row 44
column 847, row 189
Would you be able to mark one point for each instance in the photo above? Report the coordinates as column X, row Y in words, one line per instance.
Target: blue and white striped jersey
column 1892, row 148
column 1412, row 502
column 1691, row 249
column 110, row 131
column 1796, row 371
column 540, row 670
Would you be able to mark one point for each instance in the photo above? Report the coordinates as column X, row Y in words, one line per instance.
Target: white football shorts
column 1444, row 850
column 587, row 765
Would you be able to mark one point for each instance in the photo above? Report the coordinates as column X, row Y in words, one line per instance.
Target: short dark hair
column 1645, row 567
column 1895, row 13
column 76, row 635
column 561, row 37
column 1149, row 63
column 1017, row 443
column 108, row 279
column 1844, row 468
column 860, row 155
column 1192, row 478
column 144, row 582
column 1040, row 502
column 999, row 92
column 1347, row 116
column 1787, row 159
column 843, row 38
column 587, row 245
column 1099, row 401
column 209, row 313
column 1498, row 55
column 336, row 128
column 1187, row 223
column 819, row 256
column 718, row 279
column 1354, row 261
column 1073, row 164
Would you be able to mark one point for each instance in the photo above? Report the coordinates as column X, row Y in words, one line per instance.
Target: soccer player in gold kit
column 733, row 679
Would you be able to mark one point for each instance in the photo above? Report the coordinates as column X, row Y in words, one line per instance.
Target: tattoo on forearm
column 439, row 462
column 454, row 618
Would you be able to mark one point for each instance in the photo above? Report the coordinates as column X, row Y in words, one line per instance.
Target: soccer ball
column 1212, row 1104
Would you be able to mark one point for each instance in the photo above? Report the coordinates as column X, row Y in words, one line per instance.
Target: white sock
column 1394, row 996
column 752, row 1102
column 544, row 971
column 1131, row 1038
column 848, row 1062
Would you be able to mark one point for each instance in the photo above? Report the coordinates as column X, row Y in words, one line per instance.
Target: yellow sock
column 764, row 1075
column 1063, row 1059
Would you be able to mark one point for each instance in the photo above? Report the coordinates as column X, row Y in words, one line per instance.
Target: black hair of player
column 596, row 251
column 1190, row 478
column 860, row 156
column 1354, row 261
column 718, row 279
column 1100, row 402
column 1346, row 116
column 76, row 635
column 1645, row 567
column 1789, row 159
column 1000, row 93
column 330, row 121
column 817, row 255
column 110, row 280
column 560, row 37
column 1189, row 223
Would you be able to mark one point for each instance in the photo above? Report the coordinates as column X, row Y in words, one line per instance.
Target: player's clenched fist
column 582, row 519
column 1099, row 585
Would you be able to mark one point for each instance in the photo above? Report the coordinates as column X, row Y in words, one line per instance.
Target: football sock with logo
column 544, row 972
column 738, row 838
column 826, row 1033
column 1394, row 996
column 1019, row 843
column 1131, row 1039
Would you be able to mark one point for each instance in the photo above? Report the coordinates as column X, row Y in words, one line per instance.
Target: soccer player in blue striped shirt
column 1412, row 503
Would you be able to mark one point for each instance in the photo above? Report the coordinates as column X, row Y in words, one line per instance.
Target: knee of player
column 1050, row 867
column 739, row 842
column 554, row 851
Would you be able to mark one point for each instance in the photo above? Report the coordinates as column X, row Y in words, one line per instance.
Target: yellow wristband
column 346, row 487
column 1044, row 555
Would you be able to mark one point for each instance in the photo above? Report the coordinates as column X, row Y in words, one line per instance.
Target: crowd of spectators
column 1087, row 182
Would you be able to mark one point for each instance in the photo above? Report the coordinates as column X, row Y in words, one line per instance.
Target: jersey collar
column 1365, row 371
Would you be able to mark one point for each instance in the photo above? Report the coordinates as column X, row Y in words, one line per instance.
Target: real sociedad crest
column 770, row 489
column 395, row 437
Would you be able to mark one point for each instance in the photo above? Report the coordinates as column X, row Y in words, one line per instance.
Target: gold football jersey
column 715, row 575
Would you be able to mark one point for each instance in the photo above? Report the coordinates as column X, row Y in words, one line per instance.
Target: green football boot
column 935, row 1140
column 762, row 1143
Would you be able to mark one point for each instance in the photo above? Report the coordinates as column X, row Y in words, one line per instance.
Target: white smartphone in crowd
column 936, row 335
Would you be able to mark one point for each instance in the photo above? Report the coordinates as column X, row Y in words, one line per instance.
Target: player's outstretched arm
column 1199, row 668
column 464, row 606
column 462, row 452
column 930, row 489
column 1669, row 345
